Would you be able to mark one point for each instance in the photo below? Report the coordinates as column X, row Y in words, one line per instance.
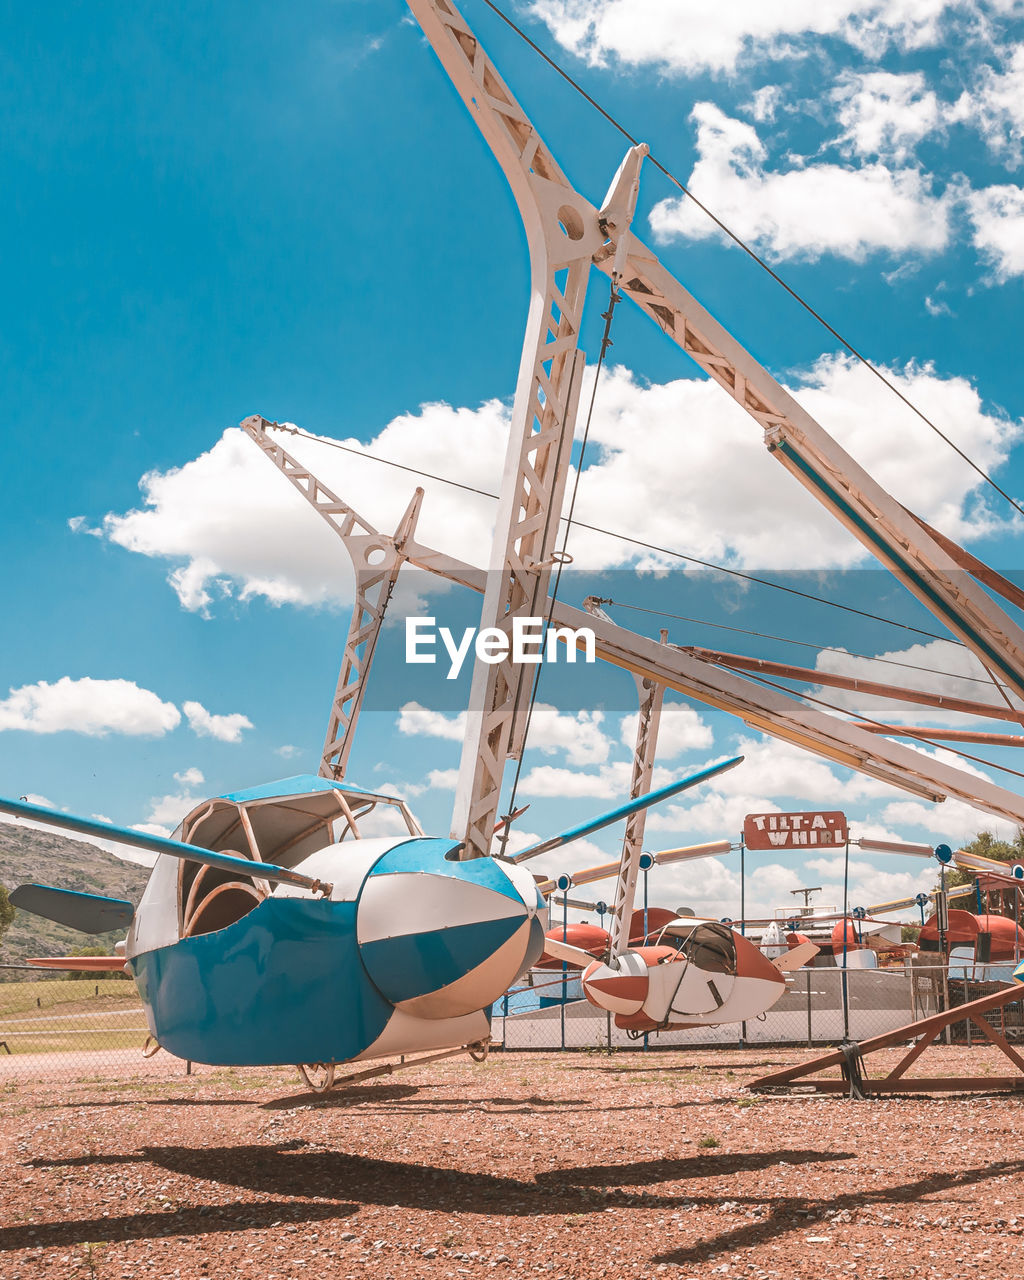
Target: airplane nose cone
column 620, row 989
column 440, row 939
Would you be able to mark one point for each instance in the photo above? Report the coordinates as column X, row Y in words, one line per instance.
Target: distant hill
column 40, row 857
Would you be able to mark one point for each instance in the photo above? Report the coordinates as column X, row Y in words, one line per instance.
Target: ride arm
column 376, row 562
column 563, row 234
column 781, row 716
column 897, row 538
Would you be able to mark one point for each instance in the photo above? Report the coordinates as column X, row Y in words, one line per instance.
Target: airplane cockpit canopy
column 710, row 946
column 286, row 821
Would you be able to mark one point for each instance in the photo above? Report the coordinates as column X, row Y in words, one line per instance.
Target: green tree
column 985, row 845
column 7, row 911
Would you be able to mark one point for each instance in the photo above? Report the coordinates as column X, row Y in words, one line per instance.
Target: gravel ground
column 577, row 1165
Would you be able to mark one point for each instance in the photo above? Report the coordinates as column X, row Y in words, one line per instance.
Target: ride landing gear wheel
column 318, row 1075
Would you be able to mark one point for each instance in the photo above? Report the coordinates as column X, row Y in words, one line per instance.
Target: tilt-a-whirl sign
column 795, row 830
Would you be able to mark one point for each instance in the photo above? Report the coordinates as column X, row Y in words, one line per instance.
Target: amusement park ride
column 272, row 931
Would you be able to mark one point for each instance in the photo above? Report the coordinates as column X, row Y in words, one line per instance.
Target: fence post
column 565, row 966
column 846, row 936
column 743, row 916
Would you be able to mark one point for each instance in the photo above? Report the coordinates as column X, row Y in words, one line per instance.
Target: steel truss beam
column 773, row 712
column 652, row 699
column 567, row 234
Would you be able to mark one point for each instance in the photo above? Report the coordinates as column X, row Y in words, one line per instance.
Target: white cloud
column 952, row 822
column 610, row 782
column 708, row 486
column 580, row 736
column 997, row 216
column 765, row 102
column 88, row 706
column 165, row 812
column 681, row 729
column 230, row 524
column 962, row 677
column 442, row 779
column 804, row 211
column 873, row 886
column 287, row 752
column 548, row 780
column 713, row 489
column 885, row 114
column 936, row 307
column 227, row 728
column 44, row 802
column 688, row 37
column 997, row 106
column 710, row 813
column 415, row 720
column 156, row 828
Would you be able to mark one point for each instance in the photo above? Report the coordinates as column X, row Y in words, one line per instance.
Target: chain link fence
column 822, row 1005
column 69, row 1023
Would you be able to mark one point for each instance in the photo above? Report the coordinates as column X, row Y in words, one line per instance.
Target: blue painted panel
column 535, row 946
column 418, row 963
column 87, row 912
column 298, row 785
column 427, row 854
column 285, row 984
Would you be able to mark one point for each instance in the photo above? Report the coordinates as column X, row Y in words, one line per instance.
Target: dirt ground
column 575, row 1165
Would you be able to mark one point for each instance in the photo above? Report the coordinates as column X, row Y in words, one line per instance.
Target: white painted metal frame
column 652, row 698
column 778, row 714
column 551, row 207
column 376, row 559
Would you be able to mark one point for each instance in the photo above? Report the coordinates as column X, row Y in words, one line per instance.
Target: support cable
column 802, row 644
column 620, row 537
column 751, row 253
column 845, row 711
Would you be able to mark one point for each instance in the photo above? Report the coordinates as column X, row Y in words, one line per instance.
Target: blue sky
column 215, row 213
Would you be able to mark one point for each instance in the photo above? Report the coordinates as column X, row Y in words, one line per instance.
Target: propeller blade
column 160, row 844
column 624, row 810
column 567, row 952
column 86, row 912
column 796, row 958
column 81, row 964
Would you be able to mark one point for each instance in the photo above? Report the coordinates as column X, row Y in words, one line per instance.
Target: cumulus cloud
column 231, row 525
column 687, row 37
column 997, row 217
column 167, row 811
column 610, row 782
column 887, row 114
column 683, row 466
column 92, row 707
column 677, row 464
column 681, row 730
column 953, row 822
column 803, row 211
column 938, row 667
column 997, row 106
column 415, row 720
column 578, row 734
column 204, row 724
